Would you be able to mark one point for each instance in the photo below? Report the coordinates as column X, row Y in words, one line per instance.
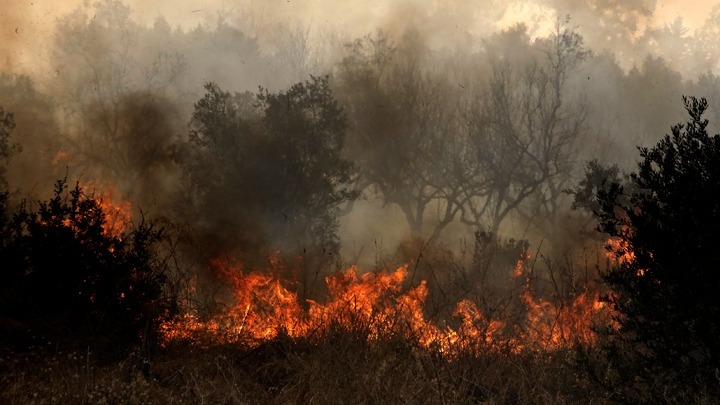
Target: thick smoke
column 105, row 92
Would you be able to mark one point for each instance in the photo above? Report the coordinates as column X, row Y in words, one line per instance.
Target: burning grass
column 381, row 306
column 369, row 342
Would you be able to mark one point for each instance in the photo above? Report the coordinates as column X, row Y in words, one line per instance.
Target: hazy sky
column 26, row 33
column 363, row 13
column 26, row 25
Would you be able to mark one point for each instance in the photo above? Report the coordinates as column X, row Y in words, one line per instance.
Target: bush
column 64, row 277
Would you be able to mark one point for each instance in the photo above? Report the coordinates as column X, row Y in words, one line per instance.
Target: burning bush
column 665, row 278
column 68, row 277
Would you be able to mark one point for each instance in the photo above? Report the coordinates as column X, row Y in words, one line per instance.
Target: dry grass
column 340, row 368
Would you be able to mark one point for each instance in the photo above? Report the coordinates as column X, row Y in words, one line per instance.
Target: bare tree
column 405, row 128
column 522, row 132
column 422, row 146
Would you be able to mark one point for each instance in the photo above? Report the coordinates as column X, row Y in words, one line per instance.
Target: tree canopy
column 268, row 167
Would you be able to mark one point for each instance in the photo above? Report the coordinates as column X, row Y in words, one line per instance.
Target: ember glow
column 381, row 306
column 117, row 214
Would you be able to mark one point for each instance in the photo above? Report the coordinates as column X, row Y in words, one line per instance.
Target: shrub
column 64, row 277
column 666, row 286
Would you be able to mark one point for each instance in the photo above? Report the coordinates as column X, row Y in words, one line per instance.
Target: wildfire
column 558, row 325
column 379, row 305
column 118, row 214
column 618, row 251
column 62, row 158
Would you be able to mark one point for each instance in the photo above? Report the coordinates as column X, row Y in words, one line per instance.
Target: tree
column 522, row 133
column 424, row 145
column 266, row 172
column 670, row 41
column 36, row 135
column 665, row 289
column 306, row 130
column 7, row 124
column 405, row 129
column 649, row 93
column 705, row 47
column 707, row 85
column 612, row 25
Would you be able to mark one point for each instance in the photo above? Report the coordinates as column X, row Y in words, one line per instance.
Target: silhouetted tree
column 598, row 179
column 266, row 171
column 666, row 292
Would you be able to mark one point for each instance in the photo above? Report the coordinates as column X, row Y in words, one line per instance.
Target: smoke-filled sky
column 460, row 41
column 26, row 26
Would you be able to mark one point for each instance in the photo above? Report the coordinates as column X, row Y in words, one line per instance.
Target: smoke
column 602, row 22
column 106, row 90
column 136, row 151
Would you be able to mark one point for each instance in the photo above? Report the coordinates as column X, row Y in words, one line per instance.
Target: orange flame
column 378, row 305
column 553, row 326
column 619, row 251
column 118, row 214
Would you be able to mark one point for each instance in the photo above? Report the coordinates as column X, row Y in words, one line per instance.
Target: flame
column 619, row 251
column 554, row 325
column 557, row 325
column 118, row 213
column 475, row 332
column 380, row 306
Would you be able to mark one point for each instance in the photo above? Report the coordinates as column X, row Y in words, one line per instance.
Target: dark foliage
column 266, row 170
column 667, row 296
column 64, row 277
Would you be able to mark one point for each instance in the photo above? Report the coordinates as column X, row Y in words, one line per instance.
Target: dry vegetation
column 343, row 361
column 342, row 367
